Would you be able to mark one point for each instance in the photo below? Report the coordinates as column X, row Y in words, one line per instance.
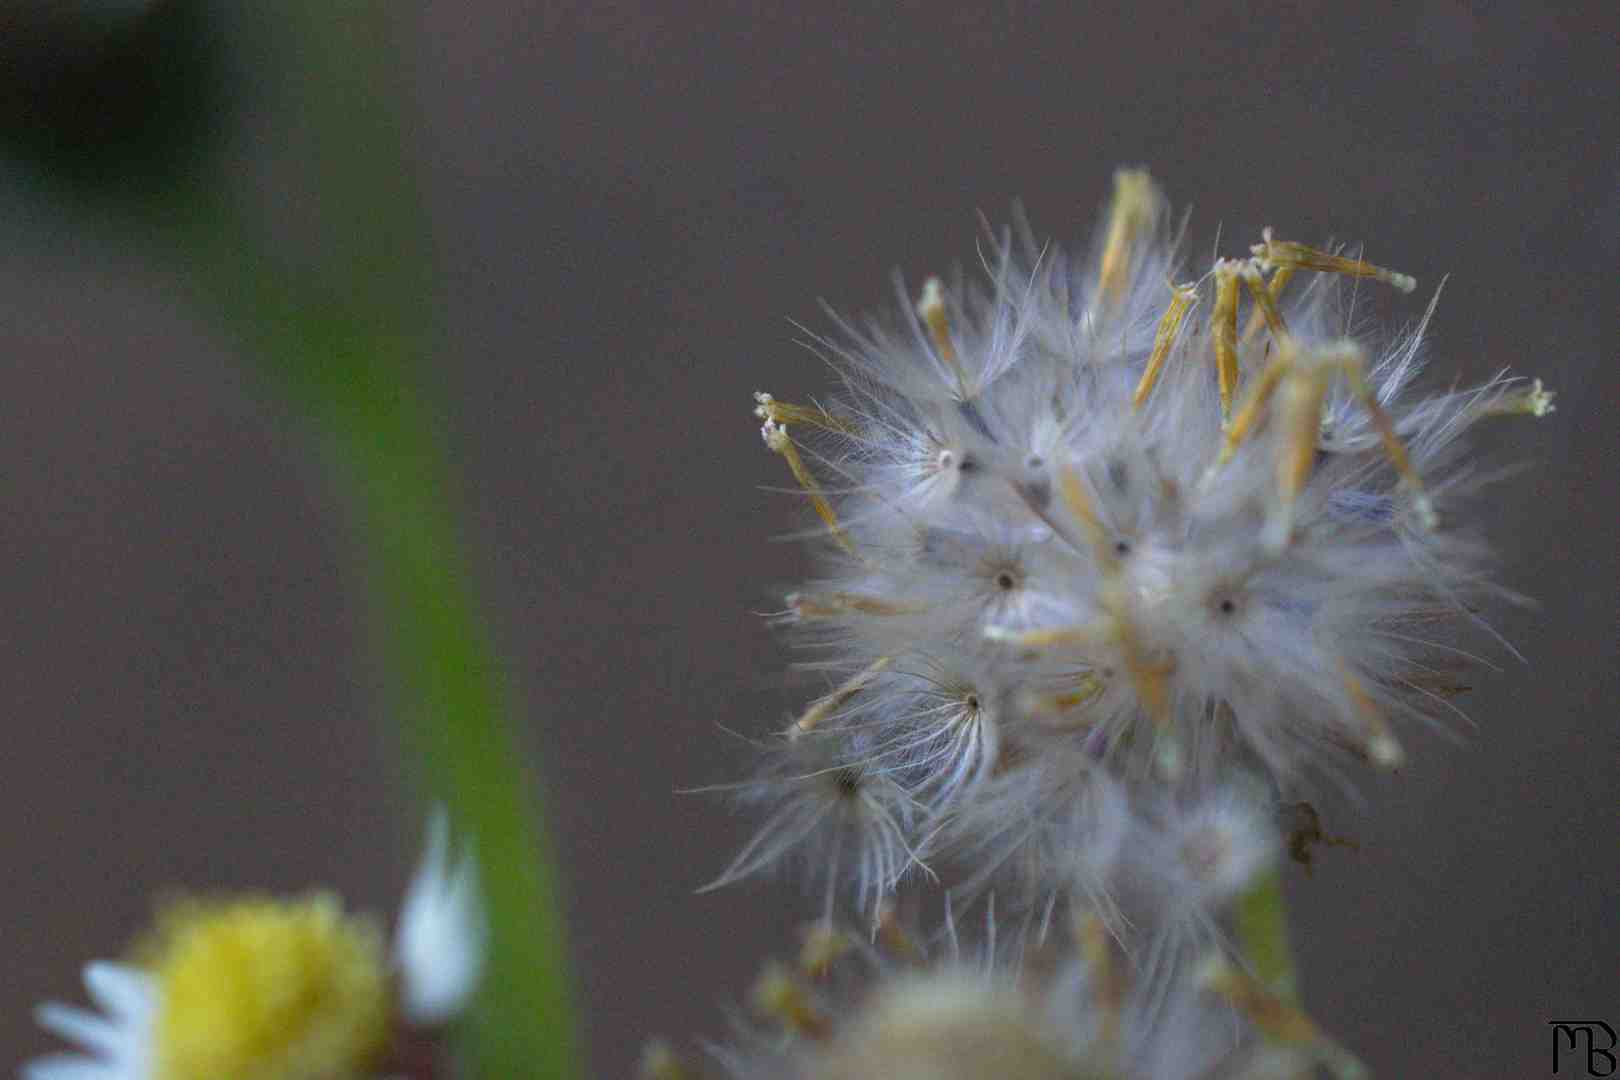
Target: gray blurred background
column 628, row 204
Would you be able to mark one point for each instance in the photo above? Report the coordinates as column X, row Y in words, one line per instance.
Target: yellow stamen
column 1073, row 489
column 1382, row 749
column 1301, row 410
column 1088, row 689
column 263, row 990
column 1090, row 634
column 660, row 1062
column 776, row 437
column 1304, row 383
column 1150, row 678
column 1277, row 1019
column 894, row 937
column 1182, row 298
column 1286, row 253
column 1350, row 362
column 1223, row 331
column 1254, row 402
column 1265, row 305
column 1279, row 282
column 931, row 307
column 831, row 605
column 1134, row 213
column 823, row 707
column 823, row 945
column 782, row 412
column 1106, row 980
column 779, row 996
column 1520, row 401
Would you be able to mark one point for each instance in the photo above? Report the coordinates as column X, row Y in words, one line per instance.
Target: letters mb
column 1567, row 1034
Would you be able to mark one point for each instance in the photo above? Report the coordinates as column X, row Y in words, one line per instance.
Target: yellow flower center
column 264, row 990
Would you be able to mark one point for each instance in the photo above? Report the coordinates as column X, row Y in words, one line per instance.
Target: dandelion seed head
column 1126, row 547
column 1116, row 522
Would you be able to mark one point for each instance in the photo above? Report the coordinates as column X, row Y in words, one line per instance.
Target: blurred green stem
column 346, row 344
column 1262, row 932
column 358, row 381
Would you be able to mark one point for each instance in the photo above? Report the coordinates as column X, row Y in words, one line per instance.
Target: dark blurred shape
column 112, row 101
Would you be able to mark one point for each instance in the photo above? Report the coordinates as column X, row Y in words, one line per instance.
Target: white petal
column 90, row 1030
column 116, row 1042
column 122, row 991
column 442, row 936
column 69, row 1067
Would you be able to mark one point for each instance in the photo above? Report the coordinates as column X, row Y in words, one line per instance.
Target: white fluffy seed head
column 849, row 826
column 1062, row 1005
column 1116, row 563
column 1210, row 850
column 1099, row 535
column 946, row 1025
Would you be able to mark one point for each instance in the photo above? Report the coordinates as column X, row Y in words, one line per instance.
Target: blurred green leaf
column 123, row 117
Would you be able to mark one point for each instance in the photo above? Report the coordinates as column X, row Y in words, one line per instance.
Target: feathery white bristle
column 1117, row 564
